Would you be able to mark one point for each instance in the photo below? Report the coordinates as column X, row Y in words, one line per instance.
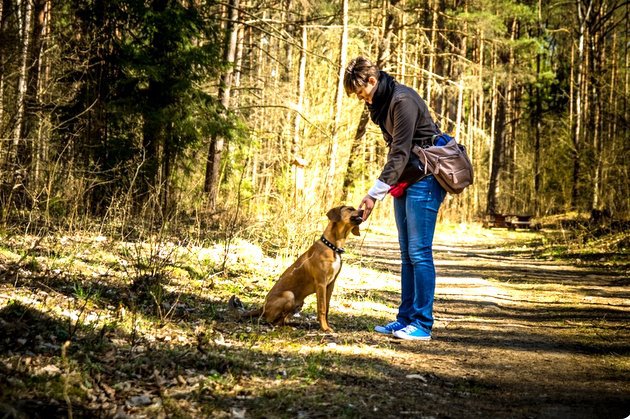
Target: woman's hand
column 367, row 204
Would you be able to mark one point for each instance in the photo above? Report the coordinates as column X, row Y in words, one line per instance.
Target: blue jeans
column 416, row 214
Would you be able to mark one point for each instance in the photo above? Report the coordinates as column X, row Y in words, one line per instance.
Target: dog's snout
column 358, row 218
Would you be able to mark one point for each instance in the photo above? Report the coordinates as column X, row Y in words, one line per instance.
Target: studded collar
column 332, row 246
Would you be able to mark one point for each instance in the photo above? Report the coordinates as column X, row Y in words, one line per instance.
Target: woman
column 404, row 120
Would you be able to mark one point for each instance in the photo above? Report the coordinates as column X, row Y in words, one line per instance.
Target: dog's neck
column 328, row 243
column 333, row 238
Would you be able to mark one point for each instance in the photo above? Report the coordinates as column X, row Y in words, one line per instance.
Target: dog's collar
column 332, row 246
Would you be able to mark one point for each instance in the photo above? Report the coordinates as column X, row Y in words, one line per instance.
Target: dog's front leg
column 329, row 291
column 322, row 304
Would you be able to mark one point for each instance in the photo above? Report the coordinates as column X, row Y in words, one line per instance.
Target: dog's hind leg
column 277, row 310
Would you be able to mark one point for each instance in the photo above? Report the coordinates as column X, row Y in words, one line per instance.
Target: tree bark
column 492, row 183
column 509, row 143
column 31, row 116
column 343, row 52
column 536, row 121
column 383, row 54
column 2, row 73
column 298, row 161
column 583, row 16
column 433, row 4
column 352, row 172
column 18, row 158
column 217, row 142
column 497, row 152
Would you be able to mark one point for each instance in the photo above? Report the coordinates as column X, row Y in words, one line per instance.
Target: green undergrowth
column 587, row 245
column 608, row 251
column 147, row 330
column 98, row 326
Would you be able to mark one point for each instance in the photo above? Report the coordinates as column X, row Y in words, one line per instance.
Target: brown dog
column 314, row 272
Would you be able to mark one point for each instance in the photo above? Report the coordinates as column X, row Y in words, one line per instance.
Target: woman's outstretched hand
column 367, row 204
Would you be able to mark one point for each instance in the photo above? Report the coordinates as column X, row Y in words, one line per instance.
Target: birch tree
column 25, row 14
column 339, row 93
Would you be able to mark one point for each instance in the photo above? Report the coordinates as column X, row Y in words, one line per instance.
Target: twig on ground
column 66, row 374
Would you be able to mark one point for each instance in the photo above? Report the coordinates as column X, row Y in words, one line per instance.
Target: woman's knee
column 421, row 255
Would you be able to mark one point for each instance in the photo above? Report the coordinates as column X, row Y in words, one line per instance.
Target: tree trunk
column 151, row 138
column 583, row 16
column 536, row 120
column 31, row 116
column 432, row 58
column 352, row 172
column 238, row 63
column 383, row 54
column 343, row 52
column 492, row 186
column 403, row 46
column 43, row 131
column 497, row 152
column 596, row 89
column 2, row 73
column 217, row 142
column 168, row 159
column 25, row 31
column 509, row 131
column 298, row 161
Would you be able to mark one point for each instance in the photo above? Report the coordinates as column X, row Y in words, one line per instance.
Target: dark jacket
column 408, row 119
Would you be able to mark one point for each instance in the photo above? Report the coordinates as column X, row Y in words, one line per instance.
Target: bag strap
column 424, row 154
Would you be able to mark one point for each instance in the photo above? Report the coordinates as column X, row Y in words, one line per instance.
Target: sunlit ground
column 170, row 347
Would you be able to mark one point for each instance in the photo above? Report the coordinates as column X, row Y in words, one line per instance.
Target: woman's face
column 366, row 93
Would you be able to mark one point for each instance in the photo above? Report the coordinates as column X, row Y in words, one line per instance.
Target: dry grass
column 149, row 334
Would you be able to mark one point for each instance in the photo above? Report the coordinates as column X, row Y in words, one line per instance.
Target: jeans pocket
column 426, row 194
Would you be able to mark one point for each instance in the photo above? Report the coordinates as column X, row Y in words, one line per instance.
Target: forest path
column 515, row 336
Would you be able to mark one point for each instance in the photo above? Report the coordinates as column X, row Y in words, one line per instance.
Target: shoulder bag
column 449, row 163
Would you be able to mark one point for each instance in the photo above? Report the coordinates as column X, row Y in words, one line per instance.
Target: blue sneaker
column 412, row 333
column 389, row 328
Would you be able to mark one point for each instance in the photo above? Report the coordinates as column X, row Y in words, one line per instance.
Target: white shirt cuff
column 379, row 190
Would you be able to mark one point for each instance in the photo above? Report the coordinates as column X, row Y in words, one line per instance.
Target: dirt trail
column 514, row 336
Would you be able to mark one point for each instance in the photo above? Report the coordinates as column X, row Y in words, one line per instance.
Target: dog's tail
column 237, row 309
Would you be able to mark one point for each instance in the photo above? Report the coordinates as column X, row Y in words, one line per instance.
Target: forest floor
column 92, row 327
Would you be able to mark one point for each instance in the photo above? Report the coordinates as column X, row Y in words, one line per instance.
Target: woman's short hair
column 357, row 74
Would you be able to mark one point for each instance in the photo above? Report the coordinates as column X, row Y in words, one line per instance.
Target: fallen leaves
column 48, row 370
column 125, row 362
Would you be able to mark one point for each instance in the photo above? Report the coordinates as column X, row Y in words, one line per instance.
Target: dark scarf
column 381, row 99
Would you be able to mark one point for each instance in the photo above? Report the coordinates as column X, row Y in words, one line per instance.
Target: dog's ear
column 334, row 214
column 355, row 231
